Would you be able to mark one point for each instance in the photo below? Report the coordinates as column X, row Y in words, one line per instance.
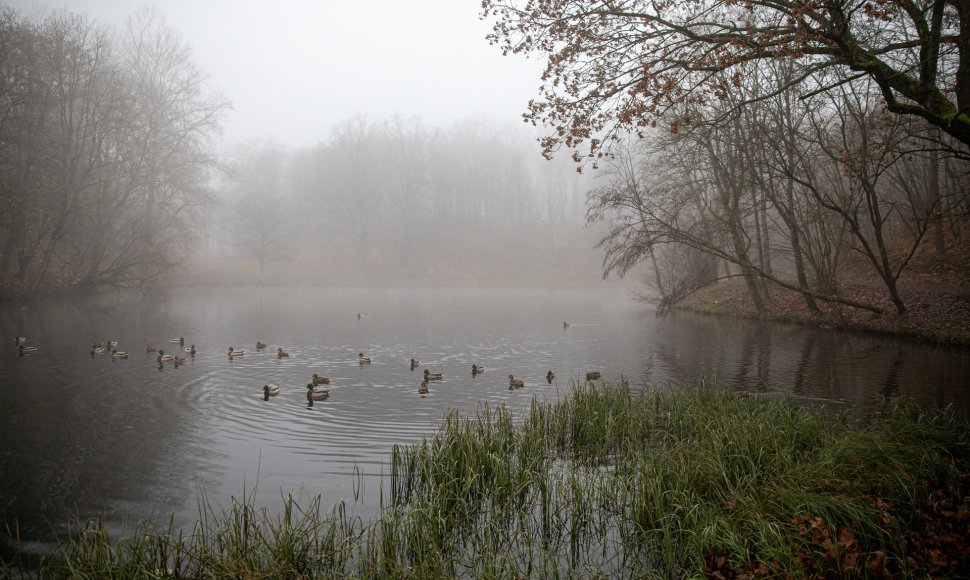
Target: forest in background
column 111, row 177
column 774, row 162
column 396, row 201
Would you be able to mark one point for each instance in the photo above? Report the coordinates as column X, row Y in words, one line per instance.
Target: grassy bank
column 606, row 483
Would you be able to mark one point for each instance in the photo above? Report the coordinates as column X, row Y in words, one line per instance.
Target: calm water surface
column 93, row 435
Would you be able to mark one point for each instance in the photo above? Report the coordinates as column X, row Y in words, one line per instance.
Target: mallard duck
column 592, row 375
column 19, row 340
column 363, row 359
column 565, row 325
column 430, row 376
column 97, row 348
column 149, row 347
column 423, row 389
column 260, row 345
column 414, row 362
column 22, row 350
column 164, row 358
column 550, row 376
column 280, row 353
column 110, row 343
column 318, row 380
column 270, row 391
column 177, row 340
column 477, row 369
column 316, row 394
column 119, row 353
column 179, row 360
column 515, row 383
column 190, row 350
column 233, row 352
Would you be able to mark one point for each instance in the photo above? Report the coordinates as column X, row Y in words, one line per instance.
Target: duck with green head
column 316, row 394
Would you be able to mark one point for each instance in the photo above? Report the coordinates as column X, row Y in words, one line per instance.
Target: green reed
column 607, row 482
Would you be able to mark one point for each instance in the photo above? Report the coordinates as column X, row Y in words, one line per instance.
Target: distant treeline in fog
column 110, row 177
column 471, row 203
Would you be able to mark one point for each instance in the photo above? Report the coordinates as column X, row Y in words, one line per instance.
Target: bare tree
column 353, row 190
column 409, row 149
column 255, row 204
column 863, row 144
column 109, row 152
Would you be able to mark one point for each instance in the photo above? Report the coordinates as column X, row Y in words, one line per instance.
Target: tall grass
column 605, row 483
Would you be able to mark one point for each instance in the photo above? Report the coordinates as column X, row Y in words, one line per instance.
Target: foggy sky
column 294, row 68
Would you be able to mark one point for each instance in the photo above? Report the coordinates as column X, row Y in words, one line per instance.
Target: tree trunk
column 936, row 205
column 796, row 247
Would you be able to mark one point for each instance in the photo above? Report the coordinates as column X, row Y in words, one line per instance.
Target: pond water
column 95, row 435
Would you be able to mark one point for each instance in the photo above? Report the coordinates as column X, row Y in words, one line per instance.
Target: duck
column 190, row 350
column 363, row 359
column 149, row 347
column 318, row 380
column 515, row 383
column 423, row 389
column 164, row 358
column 565, row 325
column 97, row 348
column 19, row 340
column 316, row 394
column 179, row 360
column 280, row 353
column 260, row 345
column 414, row 362
column 430, row 376
column 110, row 343
column 22, row 350
column 270, row 391
column 177, row 340
column 477, row 369
column 550, row 376
column 118, row 353
column 233, row 352
column 592, row 375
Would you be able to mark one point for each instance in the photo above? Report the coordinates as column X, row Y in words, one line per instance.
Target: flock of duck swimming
column 271, row 390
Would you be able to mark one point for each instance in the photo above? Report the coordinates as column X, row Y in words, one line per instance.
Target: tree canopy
column 621, row 64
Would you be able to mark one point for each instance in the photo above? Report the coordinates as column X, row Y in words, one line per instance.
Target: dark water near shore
column 90, row 435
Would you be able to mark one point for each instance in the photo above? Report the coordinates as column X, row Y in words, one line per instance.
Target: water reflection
column 97, row 434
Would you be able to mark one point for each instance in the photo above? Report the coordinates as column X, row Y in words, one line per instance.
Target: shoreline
column 937, row 313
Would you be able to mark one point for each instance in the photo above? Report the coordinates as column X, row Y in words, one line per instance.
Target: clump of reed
column 605, row 482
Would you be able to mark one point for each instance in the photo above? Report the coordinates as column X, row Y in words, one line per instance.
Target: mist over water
column 87, row 435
